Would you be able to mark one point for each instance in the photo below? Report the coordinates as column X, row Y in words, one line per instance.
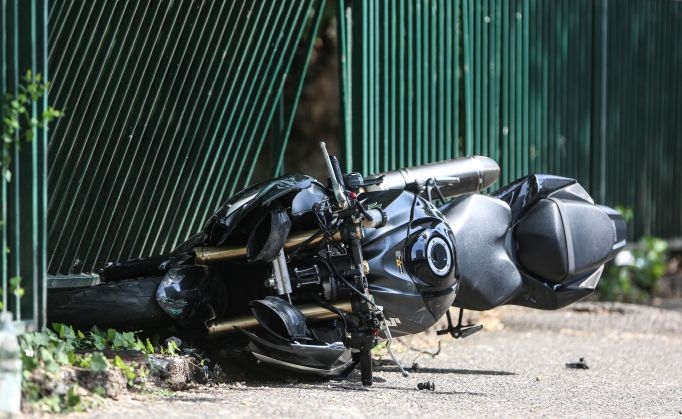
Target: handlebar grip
column 337, row 171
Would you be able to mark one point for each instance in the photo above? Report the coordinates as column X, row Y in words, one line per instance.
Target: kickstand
column 459, row 331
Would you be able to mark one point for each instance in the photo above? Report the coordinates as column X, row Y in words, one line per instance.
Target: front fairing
column 224, row 221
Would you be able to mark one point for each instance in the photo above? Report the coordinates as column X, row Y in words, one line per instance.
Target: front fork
column 370, row 316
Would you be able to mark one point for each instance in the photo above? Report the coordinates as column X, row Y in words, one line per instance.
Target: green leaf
column 99, row 342
column 72, row 398
column 111, row 335
column 15, row 281
column 15, row 286
column 66, row 332
column 98, row 362
column 40, row 339
column 172, row 347
column 118, row 342
column 61, row 356
column 127, row 370
column 150, row 347
column 52, row 403
column 128, row 340
column 49, row 362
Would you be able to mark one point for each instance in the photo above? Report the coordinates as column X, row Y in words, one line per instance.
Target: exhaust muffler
column 453, row 177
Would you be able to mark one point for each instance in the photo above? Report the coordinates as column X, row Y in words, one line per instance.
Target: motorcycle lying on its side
column 316, row 275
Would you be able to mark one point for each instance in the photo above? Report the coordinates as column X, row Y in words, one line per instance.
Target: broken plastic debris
column 428, row 385
column 580, row 365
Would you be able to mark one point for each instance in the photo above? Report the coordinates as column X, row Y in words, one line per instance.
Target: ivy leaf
column 49, row 362
column 72, row 398
column 99, row 342
column 150, row 347
column 111, row 335
column 39, row 339
column 62, row 357
column 98, row 362
column 127, row 370
column 15, row 286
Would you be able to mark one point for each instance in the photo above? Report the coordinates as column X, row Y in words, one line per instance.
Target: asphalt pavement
column 516, row 367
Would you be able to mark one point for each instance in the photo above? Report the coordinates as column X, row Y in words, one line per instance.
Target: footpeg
column 459, row 331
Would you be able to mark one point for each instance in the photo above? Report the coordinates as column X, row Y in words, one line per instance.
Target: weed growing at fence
column 52, row 359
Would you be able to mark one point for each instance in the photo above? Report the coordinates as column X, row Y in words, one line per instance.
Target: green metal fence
column 405, row 97
column 643, row 124
column 168, row 106
column 582, row 88
column 23, row 35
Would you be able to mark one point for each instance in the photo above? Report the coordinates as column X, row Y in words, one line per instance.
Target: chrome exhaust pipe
column 310, row 311
column 454, row 177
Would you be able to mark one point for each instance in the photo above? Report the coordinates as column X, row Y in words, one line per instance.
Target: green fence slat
column 150, row 220
column 23, row 46
column 95, row 157
column 4, row 278
column 200, row 116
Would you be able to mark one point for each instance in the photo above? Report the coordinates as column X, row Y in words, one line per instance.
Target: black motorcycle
column 316, row 275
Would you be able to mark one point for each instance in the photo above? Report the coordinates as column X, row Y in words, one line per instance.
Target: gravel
column 514, row 368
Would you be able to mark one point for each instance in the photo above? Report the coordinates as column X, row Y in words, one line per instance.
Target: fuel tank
column 412, row 265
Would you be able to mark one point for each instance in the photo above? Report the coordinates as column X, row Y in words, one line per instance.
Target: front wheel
column 123, row 305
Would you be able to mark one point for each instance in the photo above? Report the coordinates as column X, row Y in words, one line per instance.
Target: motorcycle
column 315, row 275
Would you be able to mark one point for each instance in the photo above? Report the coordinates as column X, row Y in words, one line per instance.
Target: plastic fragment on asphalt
column 580, row 365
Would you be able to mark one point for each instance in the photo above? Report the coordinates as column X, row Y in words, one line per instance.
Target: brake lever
column 339, row 194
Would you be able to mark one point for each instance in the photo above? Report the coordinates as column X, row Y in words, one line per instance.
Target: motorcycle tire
column 123, row 305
